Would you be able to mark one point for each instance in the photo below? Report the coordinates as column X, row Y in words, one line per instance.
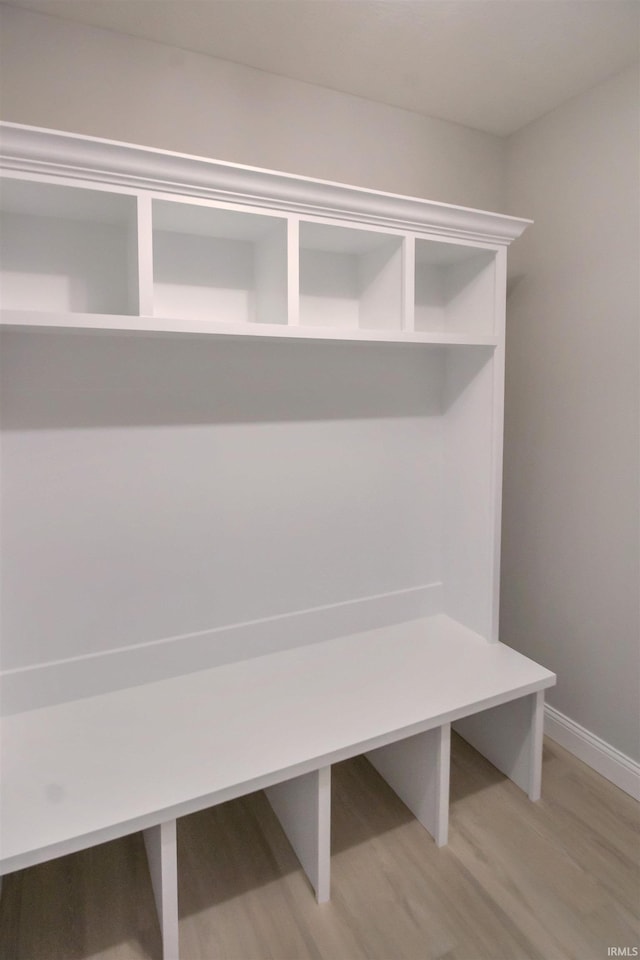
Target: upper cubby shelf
column 111, row 236
column 218, row 264
column 66, row 250
column 350, row 279
column 455, row 288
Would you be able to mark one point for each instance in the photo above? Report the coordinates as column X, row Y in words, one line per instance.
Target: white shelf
column 89, row 770
column 72, row 249
column 35, row 320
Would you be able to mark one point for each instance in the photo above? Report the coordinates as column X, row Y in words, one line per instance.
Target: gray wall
column 58, row 74
column 570, row 544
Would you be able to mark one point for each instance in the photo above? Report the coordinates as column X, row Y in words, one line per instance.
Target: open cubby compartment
column 350, row 278
column 454, row 288
column 218, row 264
column 67, row 249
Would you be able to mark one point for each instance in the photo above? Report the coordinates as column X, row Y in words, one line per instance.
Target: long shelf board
column 83, row 772
column 97, row 322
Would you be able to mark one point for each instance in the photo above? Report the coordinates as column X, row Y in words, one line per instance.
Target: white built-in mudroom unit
column 251, row 481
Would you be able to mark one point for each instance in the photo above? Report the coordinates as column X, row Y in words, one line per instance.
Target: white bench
column 80, row 773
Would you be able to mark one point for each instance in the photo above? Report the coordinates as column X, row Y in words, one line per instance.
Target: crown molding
column 36, row 150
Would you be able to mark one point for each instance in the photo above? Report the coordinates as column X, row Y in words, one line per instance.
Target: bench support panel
column 510, row 737
column 417, row 769
column 303, row 807
column 160, row 843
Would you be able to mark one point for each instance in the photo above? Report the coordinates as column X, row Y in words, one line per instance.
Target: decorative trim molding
column 597, row 753
column 54, row 153
column 45, row 684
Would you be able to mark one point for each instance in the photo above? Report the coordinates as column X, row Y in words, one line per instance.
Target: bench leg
column 417, row 769
column 510, row 737
column 303, row 807
column 161, row 846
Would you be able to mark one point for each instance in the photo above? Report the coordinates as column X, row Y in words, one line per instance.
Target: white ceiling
column 491, row 64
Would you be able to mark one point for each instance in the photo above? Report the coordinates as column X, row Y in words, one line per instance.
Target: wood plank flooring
column 557, row 880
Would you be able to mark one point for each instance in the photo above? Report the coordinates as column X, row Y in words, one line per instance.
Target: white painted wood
column 497, row 421
column 72, row 255
column 380, row 284
column 510, row 736
column 194, row 486
column 470, row 294
column 79, row 773
column 52, row 200
column 51, row 152
column 270, row 265
column 203, row 278
column 200, row 489
column 49, row 683
column 408, row 284
column 293, row 272
column 201, row 218
column 303, row 807
column 329, row 294
column 468, row 450
column 186, row 327
column 454, row 287
column 417, row 769
column 429, row 309
column 142, row 263
column 218, row 265
column 349, row 278
column 161, row 846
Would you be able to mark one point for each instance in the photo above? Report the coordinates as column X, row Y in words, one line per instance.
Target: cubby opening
column 349, row 278
column 218, row 265
column 454, row 288
column 67, row 249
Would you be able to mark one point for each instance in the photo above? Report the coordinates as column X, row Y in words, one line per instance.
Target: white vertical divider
column 408, row 283
column 144, row 259
column 161, row 846
column 303, row 807
column 293, row 271
column 500, row 307
column 536, row 740
column 417, row 769
column 510, row 737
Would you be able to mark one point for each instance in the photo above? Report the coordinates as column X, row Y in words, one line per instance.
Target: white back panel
column 329, row 289
column 203, row 278
column 156, row 486
column 53, row 264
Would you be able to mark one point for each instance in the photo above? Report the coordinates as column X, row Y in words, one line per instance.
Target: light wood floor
column 554, row 880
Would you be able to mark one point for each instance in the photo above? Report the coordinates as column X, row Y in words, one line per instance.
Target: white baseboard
column 596, row 753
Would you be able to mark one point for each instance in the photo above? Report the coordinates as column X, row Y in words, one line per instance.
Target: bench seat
column 83, row 772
